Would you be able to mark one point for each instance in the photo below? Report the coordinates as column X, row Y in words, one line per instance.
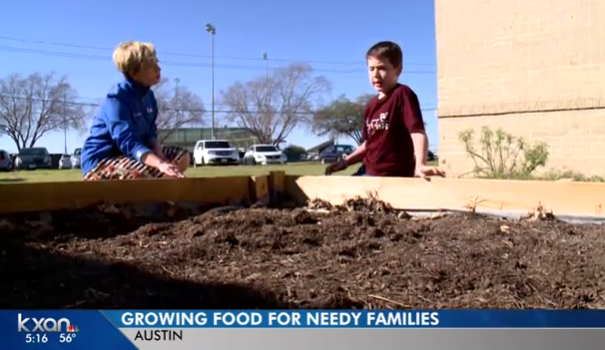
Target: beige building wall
column 533, row 67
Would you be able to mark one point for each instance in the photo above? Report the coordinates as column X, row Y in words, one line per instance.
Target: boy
column 395, row 139
column 123, row 143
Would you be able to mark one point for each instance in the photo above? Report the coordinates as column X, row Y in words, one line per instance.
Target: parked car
column 6, row 163
column 312, row 156
column 75, row 158
column 208, row 152
column 334, row 153
column 65, row 162
column 241, row 152
column 33, row 158
column 264, row 154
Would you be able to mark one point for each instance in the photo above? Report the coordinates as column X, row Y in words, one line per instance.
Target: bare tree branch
column 178, row 107
column 35, row 105
column 270, row 107
column 341, row 117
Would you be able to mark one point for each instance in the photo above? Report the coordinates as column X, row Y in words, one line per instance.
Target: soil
column 364, row 256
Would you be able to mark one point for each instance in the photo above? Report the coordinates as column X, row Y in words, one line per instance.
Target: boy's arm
column 357, row 156
column 412, row 116
column 157, row 149
column 153, row 135
column 421, row 146
column 156, row 146
column 353, row 158
column 119, row 122
column 360, row 153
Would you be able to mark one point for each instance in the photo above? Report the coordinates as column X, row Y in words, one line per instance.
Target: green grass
column 305, row 168
column 207, row 171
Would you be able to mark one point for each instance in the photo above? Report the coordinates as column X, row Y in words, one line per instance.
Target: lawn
column 209, row 171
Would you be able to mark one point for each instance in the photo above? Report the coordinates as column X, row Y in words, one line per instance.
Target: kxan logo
column 45, row 325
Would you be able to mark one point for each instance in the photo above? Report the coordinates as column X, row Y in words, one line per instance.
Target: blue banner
column 358, row 319
column 59, row 329
column 101, row 329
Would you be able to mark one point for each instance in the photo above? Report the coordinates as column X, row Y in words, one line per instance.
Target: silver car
column 65, row 162
column 75, row 158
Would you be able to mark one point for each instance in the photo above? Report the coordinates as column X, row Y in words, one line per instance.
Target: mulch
column 357, row 256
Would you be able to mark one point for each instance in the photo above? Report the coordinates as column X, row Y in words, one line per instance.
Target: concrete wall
column 534, row 67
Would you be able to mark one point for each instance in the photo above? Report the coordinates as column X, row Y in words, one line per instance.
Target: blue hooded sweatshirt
column 125, row 124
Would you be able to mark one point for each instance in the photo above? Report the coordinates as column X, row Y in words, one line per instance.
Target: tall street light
column 65, row 121
column 176, row 89
column 266, row 58
column 212, row 30
column 177, row 103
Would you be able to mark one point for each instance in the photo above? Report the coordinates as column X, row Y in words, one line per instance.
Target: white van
column 208, row 152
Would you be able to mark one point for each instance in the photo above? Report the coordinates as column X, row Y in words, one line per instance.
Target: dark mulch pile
column 270, row 258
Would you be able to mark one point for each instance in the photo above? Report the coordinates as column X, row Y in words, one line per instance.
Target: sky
column 76, row 39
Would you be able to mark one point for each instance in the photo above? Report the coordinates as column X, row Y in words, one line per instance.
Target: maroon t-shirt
column 388, row 123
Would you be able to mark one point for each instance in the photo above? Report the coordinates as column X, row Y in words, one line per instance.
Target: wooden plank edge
column 562, row 198
column 44, row 196
column 277, row 186
column 259, row 189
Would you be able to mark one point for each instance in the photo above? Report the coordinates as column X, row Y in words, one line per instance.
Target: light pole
column 176, row 93
column 65, row 121
column 266, row 58
column 212, row 30
column 176, row 89
column 177, row 103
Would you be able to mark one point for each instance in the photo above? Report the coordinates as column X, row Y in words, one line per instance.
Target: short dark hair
column 388, row 50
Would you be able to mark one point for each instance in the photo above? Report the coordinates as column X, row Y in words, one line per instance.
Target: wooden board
column 277, row 182
column 259, row 189
column 564, row 198
column 24, row 197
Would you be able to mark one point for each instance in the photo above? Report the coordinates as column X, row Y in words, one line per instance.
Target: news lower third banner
column 184, row 329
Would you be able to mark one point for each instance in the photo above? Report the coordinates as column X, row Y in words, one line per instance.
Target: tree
column 271, row 106
column 294, row 152
column 177, row 107
column 35, row 105
column 342, row 117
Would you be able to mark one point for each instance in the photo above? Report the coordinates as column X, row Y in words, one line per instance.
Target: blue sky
column 76, row 38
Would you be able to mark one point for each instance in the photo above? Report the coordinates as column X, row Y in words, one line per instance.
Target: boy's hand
column 171, row 170
column 424, row 171
column 335, row 167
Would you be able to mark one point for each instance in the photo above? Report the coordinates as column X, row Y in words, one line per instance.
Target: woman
column 123, row 140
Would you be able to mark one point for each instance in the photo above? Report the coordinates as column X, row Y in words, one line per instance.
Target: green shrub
column 502, row 155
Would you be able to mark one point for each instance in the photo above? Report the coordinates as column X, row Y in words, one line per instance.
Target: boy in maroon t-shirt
column 395, row 139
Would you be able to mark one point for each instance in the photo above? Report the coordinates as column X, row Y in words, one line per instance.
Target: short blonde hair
column 132, row 56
